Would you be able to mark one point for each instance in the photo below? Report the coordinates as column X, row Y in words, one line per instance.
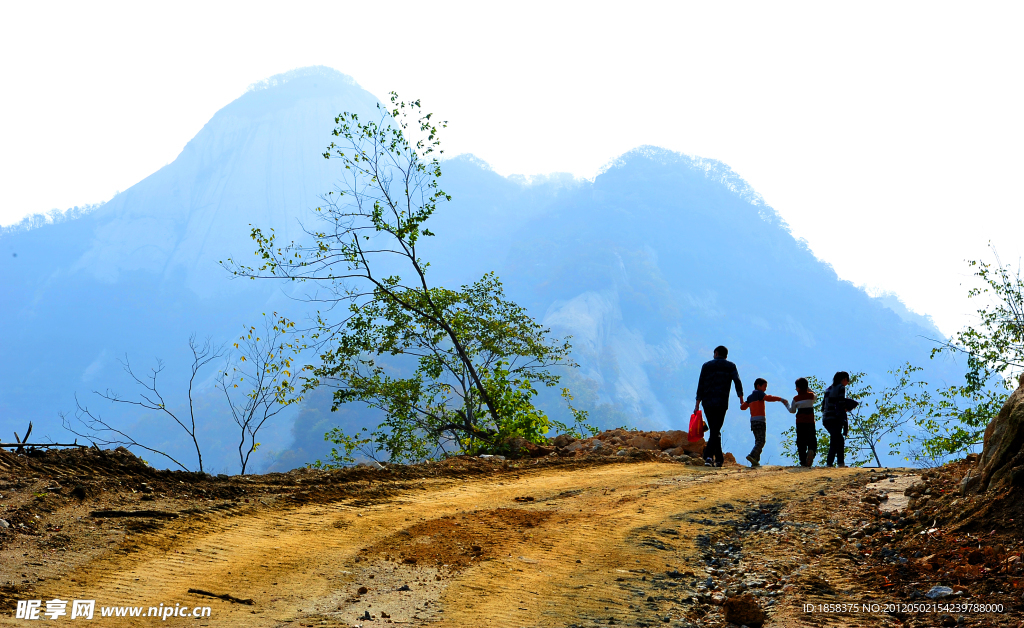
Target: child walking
column 806, row 435
column 758, row 424
column 834, row 407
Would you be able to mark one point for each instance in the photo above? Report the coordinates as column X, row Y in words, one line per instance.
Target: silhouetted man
column 716, row 377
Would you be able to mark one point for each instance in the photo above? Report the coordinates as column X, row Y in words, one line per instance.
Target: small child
column 806, row 435
column 758, row 424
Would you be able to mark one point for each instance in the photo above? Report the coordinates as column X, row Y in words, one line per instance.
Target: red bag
column 696, row 427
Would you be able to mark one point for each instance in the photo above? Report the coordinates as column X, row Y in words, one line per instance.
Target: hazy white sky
column 887, row 134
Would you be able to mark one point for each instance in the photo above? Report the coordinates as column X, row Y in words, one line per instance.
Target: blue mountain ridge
column 649, row 266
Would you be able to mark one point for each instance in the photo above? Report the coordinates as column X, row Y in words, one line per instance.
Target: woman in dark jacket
column 834, row 407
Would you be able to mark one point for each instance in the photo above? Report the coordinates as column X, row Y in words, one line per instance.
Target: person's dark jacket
column 835, row 405
column 716, row 376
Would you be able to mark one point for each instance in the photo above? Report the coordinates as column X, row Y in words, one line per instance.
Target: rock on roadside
column 1002, row 461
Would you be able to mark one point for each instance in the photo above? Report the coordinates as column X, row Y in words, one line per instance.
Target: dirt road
column 622, row 544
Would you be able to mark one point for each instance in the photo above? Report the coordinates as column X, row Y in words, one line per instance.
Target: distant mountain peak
column 311, row 73
column 649, row 265
column 892, row 301
column 711, row 169
column 289, row 89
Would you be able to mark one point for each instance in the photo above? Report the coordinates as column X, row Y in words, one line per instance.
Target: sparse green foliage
column 957, row 420
column 348, row 445
column 476, row 357
column 997, row 343
column 881, row 418
column 994, row 349
column 885, row 415
column 788, row 444
column 262, row 382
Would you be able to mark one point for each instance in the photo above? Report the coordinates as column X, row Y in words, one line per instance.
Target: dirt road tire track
column 302, row 565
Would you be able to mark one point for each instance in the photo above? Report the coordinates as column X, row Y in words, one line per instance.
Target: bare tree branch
column 150, row 399
column 99, row 432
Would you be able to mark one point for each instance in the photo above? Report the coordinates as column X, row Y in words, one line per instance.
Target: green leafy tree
column 952, row 419
column 881, row 419
column 994, row 351
column 885, row 416
column 476, row 357
column 437, row 409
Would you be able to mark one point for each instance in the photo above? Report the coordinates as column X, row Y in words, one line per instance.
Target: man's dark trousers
column 715, row 418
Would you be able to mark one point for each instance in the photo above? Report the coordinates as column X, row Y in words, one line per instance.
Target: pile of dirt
column 948, row 545
column 458, row 541
column 942, row 557
column 621, row 442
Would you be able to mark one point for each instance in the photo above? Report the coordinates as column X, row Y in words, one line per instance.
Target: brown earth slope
column 631, row 540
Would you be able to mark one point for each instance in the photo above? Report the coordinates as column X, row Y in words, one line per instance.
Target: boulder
column 672, row 439
column 517, row 443
column 729, row 461
column 695, row 448
column 1002, row 456
column 743, row 610
column 562, row 440
column 577, row 445
column 643, row 442
column 539, row 451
